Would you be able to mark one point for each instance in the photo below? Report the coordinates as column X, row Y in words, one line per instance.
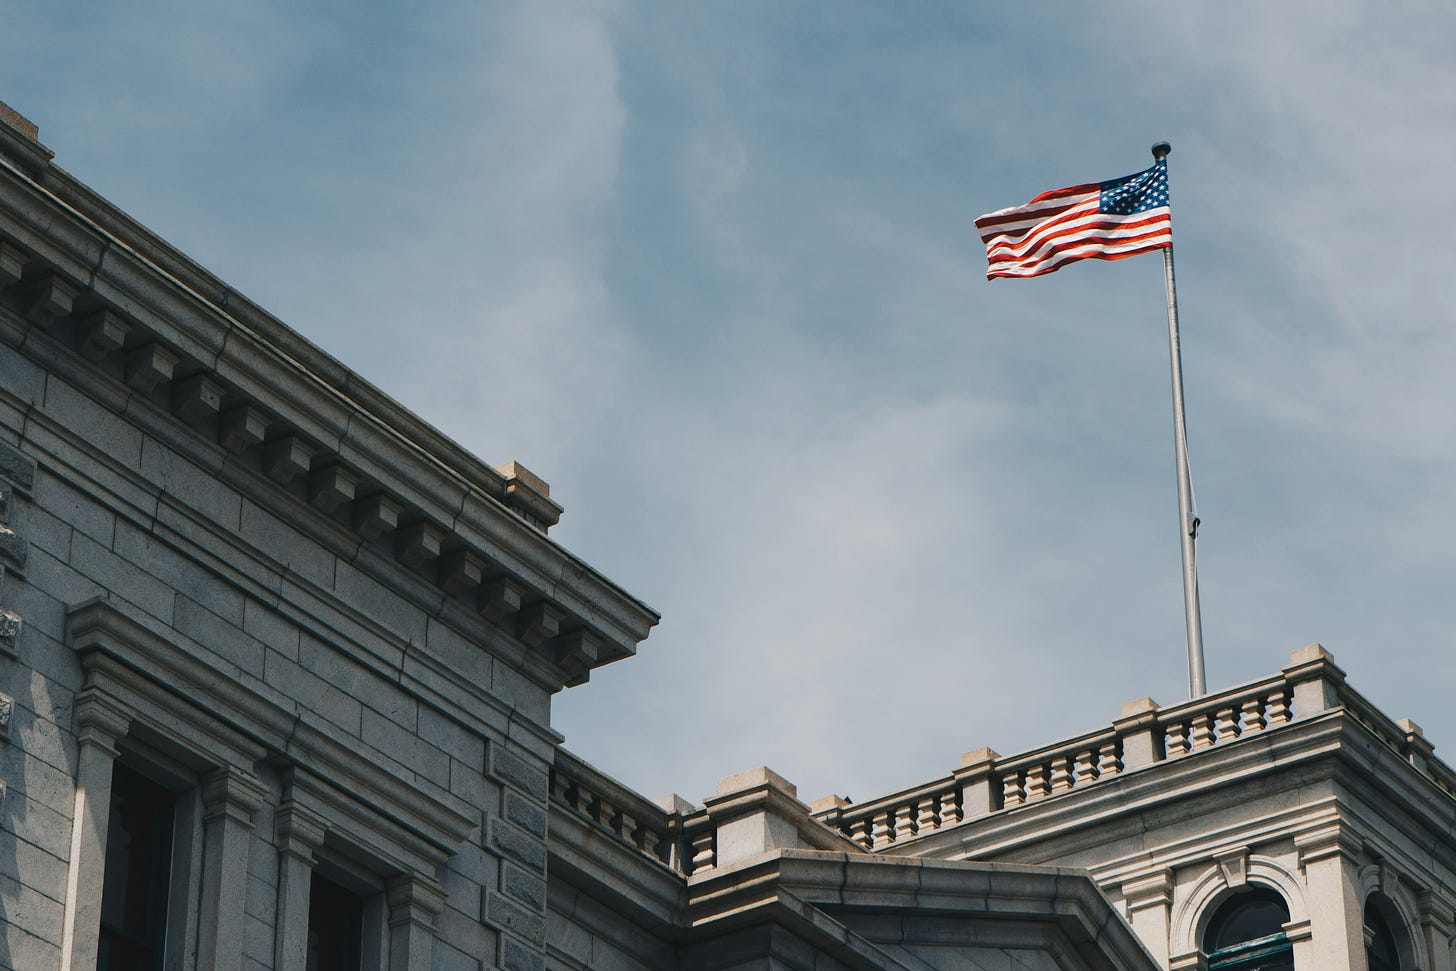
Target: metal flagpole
column 1188, row 522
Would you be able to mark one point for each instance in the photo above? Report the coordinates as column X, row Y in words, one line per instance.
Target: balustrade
column 988, row 783
column 609, row 807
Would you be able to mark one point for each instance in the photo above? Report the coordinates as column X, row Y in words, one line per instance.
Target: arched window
column 1247, row 933
column 1381, row 953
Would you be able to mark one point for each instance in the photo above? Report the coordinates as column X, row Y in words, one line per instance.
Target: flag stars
column 1136, row 193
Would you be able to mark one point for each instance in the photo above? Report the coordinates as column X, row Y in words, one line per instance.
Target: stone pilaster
column 1316, row 680
column 413, row 903
column 1149, row 905
column 300, row 832
column 1138, row 729
column 516, row 907
column 1438, row 924
column 1332, row 885
column 99, row 724
column 229, row 799
column 980, row 792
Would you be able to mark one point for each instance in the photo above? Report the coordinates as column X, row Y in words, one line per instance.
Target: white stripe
column 1090, row 205
column 1035, row 243
column 1076, row 253
column 1098, row 244
column 1044, row 205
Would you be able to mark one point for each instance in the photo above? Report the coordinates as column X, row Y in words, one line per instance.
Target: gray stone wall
column 260, row 592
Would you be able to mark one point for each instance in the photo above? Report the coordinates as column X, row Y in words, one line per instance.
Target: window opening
column 135, row 883
column 335, row 926
column 1247, row 934
column 1380, row 950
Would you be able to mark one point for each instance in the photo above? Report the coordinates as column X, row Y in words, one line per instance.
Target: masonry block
column 516, row 956
column 12, row 262
column 506, row 914
column 287, row 457
column 331, row 487
column 16, row 467
column 525, row 814
column 525, row 887
column 49, row 298
column 499, row 599
column 516, row 843
column 538, row 623
column 150, row 365
column 376, row 515
column 516, row 772
column 102, row 333
column 196, row 398
column 418, row 543
column 460, row 571
column 241, row 428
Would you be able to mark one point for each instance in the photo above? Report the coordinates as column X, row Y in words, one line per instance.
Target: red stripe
column 1052, row 250
column 1073, row 244
column 1054, row 267
column 1023, row 212
column 1082, row 224
column 1081, row 209
column 1019, row 249
column 1051, row 266
column 1069, row 190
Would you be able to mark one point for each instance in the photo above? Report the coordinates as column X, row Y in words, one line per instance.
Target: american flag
column 1100, row 220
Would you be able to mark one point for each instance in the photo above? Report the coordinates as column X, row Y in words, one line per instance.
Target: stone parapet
column 1143, row 736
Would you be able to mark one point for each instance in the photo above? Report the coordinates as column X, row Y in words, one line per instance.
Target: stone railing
column 1145, row 734
column 730, row 826
column 610, row 807
column 1213, row 720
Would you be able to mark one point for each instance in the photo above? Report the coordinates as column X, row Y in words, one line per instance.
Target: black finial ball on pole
column 1161, row 150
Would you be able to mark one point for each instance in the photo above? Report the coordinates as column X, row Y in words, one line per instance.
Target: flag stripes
column 1106, row 221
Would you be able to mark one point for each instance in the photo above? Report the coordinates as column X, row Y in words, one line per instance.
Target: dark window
column 1247, row 934
column 1380, row 950
column 335, row 926
column 134, row 888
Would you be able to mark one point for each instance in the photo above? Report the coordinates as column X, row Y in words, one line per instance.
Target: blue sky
column 709, row 269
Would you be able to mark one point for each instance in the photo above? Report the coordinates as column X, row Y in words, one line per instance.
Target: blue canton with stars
column 1136, row 193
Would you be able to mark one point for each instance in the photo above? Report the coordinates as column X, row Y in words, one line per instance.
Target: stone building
column 277, row 661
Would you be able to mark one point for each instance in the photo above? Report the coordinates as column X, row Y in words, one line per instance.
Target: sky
column 709, row 269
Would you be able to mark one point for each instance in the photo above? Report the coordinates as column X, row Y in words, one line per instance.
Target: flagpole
column 1187, row 521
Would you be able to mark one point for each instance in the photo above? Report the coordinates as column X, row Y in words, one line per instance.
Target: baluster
column 606, row 815
column 581, row 800
column 1278, row 711
column 882, row 832
column 862, row 833
column 1201, row 735
column 1108, row 761
column 1086, row 766
column 927, row 820
column 560, row 785
column 627, row 826
column 904, row 821
column 950, row 808
column 1061, row 773
column 1036, row 782
column 1011, row 792
column 1252, row 718
column 705, row 851
column 1225, row 725
column 1177, row 736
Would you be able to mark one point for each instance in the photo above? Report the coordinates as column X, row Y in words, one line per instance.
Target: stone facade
column 236, row 571
column 236, row 568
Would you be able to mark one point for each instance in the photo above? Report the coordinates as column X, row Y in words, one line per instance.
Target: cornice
column 147, row 325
